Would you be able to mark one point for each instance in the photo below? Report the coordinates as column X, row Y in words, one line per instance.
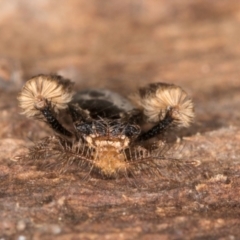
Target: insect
column 102, row 131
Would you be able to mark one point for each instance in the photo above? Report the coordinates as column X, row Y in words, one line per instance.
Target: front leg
column 53, row 122
column 43, row 96
column 157, row 129
column 164, row 105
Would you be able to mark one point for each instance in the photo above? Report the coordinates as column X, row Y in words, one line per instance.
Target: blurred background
column 125, row 44
column 137, row 40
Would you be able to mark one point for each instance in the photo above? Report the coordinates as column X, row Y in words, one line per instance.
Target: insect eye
column 84, row 128
column 132, row 130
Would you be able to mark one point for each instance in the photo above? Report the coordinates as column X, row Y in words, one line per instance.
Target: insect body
column 106, row 132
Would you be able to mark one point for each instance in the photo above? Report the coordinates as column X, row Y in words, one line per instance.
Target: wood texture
column 122, row 45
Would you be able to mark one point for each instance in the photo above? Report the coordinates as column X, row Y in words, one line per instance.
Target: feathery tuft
column 157, row 98
column 43, row 89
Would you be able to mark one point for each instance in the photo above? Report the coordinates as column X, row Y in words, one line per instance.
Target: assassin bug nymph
column 105, row 134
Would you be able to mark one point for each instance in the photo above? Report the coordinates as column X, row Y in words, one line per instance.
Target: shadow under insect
column 106, row 135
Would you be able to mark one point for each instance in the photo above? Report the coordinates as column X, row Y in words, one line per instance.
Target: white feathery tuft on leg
column 157, row 98
column 43, row 89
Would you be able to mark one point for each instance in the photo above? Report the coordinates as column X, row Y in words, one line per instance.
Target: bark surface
column 122, row 45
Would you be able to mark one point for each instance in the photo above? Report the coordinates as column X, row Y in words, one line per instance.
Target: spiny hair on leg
column 157, row 98
column 141, row 166
column 41, row 90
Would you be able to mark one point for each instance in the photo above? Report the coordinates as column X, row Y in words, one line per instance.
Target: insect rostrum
column 106, row 132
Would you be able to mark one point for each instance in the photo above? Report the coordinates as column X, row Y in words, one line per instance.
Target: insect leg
column 157, row 129
column 53, row 122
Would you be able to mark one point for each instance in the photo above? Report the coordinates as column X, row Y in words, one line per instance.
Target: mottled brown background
column 122, row 45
